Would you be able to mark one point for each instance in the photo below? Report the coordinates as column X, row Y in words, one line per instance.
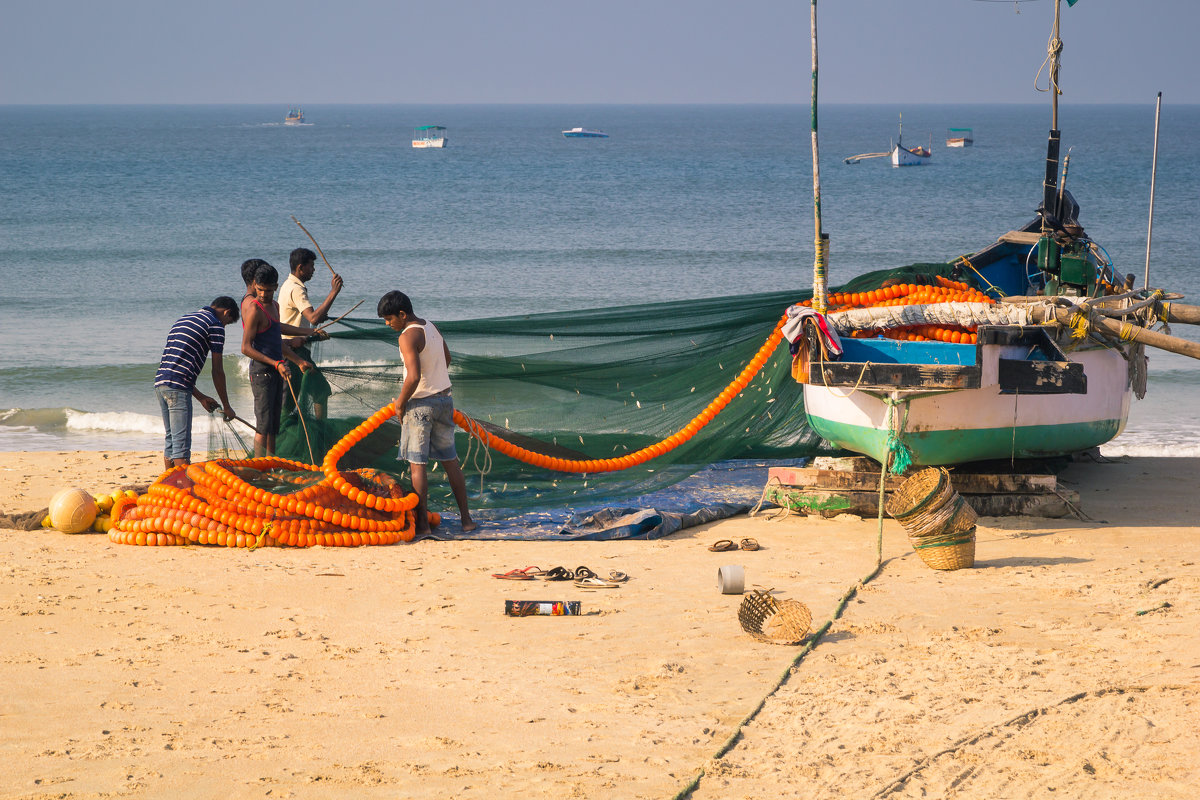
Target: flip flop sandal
column 721, row 545
column 750, row 544
column 595, row 583
column 518, row 574
column 557, row 574
column 617, row 577
column 583, row 573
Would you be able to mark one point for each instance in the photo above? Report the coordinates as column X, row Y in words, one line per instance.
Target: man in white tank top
column 424, row 406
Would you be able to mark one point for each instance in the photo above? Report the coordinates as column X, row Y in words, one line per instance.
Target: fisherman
column 262, row 342
column 297, row 310
column 425, row 406
column 191, row 339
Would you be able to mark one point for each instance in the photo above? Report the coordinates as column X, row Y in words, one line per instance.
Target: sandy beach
column 392, row 672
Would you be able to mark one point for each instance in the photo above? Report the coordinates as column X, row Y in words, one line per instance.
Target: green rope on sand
column 813, row 641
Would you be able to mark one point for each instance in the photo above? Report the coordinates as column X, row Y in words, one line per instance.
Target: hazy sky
column 588, row 51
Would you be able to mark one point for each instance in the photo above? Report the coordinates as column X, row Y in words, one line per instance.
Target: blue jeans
column 176, row 405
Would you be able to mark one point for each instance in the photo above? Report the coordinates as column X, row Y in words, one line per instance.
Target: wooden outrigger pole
column 820, row 240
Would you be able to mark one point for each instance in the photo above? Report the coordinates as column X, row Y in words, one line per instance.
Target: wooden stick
column 247, row 424
column 311, row 458
column 314, row 241
column 339, row 319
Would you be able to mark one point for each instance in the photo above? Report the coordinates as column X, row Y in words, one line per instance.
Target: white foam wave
column 130, row 422
column 1145, row 450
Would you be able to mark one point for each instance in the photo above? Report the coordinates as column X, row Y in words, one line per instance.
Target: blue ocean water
column 116, row 220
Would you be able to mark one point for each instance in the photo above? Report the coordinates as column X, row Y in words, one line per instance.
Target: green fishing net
column 582, row 384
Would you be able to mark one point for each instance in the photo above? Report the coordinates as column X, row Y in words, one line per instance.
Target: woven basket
column 774, row 621
column 927, row 489
column 946, row 551
column 964, row 518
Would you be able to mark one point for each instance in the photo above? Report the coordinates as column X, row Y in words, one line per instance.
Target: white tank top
column 435, row 373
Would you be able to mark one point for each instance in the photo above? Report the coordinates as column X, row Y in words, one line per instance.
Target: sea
column 117, row 220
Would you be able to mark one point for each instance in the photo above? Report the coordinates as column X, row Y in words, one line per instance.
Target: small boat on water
column 910, row 156
column 1030, row 347
column 900, row 155
column 295, row 116
column 584, row 133
column 959, row 137
column 429, row 136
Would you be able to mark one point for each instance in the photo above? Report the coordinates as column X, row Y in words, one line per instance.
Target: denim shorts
column 176, row 405
column 427, row 430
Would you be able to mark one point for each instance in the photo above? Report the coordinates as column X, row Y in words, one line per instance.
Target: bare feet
column 468, row 525
column 423, row 531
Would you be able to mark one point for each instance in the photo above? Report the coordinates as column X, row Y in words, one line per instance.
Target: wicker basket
column 927, row 489
column 963, row 519
column 940, row 523
column 946, row 551
column 774, row 621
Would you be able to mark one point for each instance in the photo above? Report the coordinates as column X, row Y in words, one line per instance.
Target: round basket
column 921, row 491
column 946, row 551
column 963, row 519
column 774, row 621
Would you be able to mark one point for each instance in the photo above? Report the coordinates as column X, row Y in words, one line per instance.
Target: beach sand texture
column 392, row 672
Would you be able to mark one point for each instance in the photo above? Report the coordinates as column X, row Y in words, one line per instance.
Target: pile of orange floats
column 218, row 503
column 909, row 294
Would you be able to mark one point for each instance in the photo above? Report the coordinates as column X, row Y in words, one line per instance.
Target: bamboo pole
column 820, row 302
column 343, row 316
column 1125, row 331
column 300, row 413
column 1153, row 175
column 314, row 241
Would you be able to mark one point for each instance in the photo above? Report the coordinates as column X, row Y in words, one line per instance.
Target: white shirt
column 435, row 373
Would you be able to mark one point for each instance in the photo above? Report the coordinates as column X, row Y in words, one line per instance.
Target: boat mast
column 820, row 240
column 1153, row 175
column 1050, row 186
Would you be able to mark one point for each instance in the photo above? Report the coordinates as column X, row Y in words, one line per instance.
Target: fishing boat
column 295, row 116
column 959, row 137
column 900, row 155
column 909, row 156
column 1030, row 347
column 429, row 136
column 584, row 133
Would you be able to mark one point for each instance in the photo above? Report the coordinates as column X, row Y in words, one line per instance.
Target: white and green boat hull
column 976, row 424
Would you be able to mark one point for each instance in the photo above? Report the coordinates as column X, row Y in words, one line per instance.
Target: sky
column 597, row 51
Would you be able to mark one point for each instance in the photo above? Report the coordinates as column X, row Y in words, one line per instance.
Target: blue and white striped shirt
column 188, row 345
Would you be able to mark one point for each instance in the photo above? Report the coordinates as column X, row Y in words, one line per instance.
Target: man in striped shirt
column 190, row 341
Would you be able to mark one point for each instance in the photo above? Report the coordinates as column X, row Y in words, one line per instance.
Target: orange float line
column 592, row 466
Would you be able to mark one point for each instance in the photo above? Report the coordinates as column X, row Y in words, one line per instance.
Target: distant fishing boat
column 901, row 156
column 429, row 136
column 295, row 116
column 910, row 156
column 959, row 137
column 584, row 133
